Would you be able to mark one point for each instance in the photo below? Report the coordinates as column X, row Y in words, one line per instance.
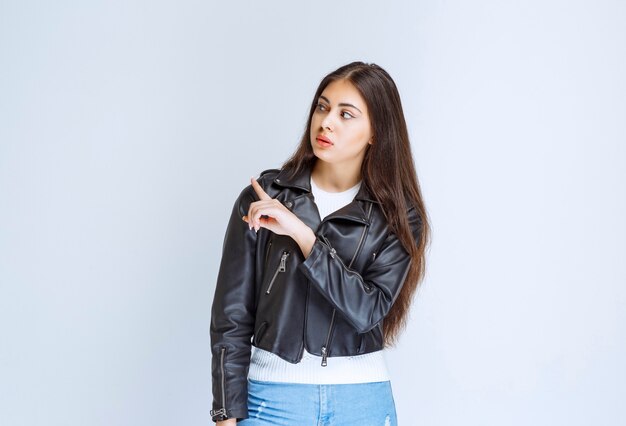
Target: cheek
column 315, row 121
column 360, row 136
column 314, row 126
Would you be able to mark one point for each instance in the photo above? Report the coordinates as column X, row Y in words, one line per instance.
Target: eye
column 346, row 115
column 321, row 107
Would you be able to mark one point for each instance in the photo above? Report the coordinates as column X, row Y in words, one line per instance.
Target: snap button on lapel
column 288, row 204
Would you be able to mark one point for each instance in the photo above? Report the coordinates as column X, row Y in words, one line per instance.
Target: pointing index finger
column 259, row 190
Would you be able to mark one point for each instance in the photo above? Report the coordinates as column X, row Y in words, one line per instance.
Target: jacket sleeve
column 364, row 299
column 232, row 315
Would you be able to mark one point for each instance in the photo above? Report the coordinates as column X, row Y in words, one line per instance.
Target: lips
column 323, row 140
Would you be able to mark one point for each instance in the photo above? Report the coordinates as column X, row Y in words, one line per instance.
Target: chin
column 316, row 151
column 321, row 155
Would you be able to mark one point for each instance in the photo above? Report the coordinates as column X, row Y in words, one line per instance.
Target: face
column 340, row 125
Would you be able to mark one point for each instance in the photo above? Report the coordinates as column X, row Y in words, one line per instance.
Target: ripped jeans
column 296, row 404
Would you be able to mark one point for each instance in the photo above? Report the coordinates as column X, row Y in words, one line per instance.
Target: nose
column 327, row 122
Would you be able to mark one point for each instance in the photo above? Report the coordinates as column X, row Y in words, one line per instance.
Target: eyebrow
column 341, row 104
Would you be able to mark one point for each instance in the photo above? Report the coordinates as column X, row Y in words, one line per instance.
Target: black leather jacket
column 332, row 303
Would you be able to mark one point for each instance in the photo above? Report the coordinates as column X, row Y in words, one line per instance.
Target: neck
column 335, row 177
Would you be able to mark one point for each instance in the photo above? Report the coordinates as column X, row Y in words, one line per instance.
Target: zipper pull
column 220, row 412
column 333, row 252
column 283, row 261
column 324, row 356
column 282, row 267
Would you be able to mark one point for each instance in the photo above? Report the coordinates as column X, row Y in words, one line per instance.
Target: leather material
column 332, row 303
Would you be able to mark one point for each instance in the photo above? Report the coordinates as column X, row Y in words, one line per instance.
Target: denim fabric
column 296, row 404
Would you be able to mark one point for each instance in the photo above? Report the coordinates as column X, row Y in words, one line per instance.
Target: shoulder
column 266, row 180
column 410, row 210
column 412, row 214
column 267, row 177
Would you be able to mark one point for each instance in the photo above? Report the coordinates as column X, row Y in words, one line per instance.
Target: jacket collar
column 302, row 180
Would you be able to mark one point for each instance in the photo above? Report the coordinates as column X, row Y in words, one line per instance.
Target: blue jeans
column 295, row 404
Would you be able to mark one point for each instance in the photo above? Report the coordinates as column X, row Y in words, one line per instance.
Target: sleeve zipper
column 333, row 254
column 222, row 411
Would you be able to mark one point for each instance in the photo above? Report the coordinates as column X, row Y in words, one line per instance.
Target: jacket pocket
column 282, row 267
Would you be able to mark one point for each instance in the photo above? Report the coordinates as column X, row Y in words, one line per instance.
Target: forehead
column 343, row 91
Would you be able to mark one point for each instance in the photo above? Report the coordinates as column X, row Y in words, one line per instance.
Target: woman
column 320, row 261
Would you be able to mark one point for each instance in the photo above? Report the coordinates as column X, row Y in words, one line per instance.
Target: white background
column 127, row 129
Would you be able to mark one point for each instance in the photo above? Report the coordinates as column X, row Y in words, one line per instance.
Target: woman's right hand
column 271, row 214
column 229, row 422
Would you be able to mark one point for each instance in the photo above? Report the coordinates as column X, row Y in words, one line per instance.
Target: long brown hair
column 387, row 171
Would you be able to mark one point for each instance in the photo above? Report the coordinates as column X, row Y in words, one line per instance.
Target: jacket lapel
column 303, row 203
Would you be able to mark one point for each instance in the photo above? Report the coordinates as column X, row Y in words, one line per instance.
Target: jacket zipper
column 326, row 345
column 282, row 267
